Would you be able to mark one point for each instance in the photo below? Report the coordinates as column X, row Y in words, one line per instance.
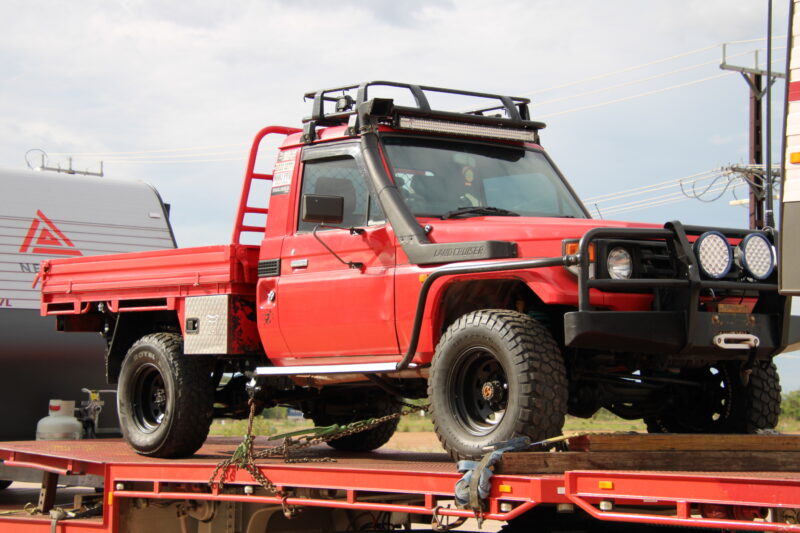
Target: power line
column 643, row 65
column 747, row 41
column 731, row 184
column 166, row 150
column 660, row 202
column 624, row 84
column 620, row 196
column 636, row 81
column 735, row 176
column 621, row 71
column 709, row 189
column 632, row 97
column 146, row 162
column 646, row 188
column 649, row 199
column 655, row 202
column 172, row 156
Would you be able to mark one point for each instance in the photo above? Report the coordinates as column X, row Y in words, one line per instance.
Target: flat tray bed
column 419, row 483
column 216, row 449
column 91, row 456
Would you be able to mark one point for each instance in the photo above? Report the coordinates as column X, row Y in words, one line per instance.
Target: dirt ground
column 414, row 441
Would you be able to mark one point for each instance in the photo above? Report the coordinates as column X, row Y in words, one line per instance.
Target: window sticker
column 284, row 168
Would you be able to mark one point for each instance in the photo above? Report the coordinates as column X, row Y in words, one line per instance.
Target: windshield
column 455, row 178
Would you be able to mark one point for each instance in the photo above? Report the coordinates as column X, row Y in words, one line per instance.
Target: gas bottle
column 61, row 423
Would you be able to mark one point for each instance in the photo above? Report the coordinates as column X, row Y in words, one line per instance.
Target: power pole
column 756, row 150
column 754, row 78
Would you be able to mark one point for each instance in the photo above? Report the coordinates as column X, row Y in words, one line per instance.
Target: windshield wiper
column 478, row 211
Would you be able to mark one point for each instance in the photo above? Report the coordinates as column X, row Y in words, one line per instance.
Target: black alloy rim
column 478, row 389
column 149, row 398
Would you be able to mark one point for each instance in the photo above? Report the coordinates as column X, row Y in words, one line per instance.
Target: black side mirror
column 319, row 209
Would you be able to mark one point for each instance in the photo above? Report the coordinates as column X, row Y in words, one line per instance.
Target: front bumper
column 681, row 326
column 669, row 332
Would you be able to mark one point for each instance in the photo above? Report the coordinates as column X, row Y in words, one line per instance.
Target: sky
column 172, row 93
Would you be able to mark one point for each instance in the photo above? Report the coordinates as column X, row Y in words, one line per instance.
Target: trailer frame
column 419, row 484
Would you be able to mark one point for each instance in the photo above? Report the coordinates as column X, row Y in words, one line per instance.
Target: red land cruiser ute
column 413, row 252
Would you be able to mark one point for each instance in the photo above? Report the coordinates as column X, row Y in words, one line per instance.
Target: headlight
column 756, row 256
column 714, row 254
column 619, row 263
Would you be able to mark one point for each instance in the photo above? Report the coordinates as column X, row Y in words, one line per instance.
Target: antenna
column 68, row 170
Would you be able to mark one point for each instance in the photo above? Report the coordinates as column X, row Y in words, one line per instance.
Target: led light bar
column 466, row 129
column 714, row 254
column 757, row 257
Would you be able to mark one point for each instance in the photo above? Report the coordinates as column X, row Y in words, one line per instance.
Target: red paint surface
column 430, row 475
column 794, row 91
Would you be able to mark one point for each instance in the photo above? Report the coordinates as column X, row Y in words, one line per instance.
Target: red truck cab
column 410, row 252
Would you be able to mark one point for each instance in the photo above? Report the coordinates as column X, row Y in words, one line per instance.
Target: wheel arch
column 462, row 296
column 128, row 328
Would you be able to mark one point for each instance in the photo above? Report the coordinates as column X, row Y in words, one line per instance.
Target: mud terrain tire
column 370, row 439
column 496, row 375
column 165, row 399
column 728, row 406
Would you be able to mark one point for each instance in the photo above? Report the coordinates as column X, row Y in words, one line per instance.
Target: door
column 335, row 294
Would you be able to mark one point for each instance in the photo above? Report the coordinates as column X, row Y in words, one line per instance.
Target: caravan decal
column 47, row 241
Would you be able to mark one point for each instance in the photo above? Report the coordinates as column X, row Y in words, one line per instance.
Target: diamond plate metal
column 213, row 330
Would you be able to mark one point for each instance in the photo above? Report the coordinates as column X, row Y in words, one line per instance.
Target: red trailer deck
column 396, row 487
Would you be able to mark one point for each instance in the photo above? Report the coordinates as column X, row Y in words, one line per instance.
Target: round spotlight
column 714, row 254
column 758, row 259
column 619, row 263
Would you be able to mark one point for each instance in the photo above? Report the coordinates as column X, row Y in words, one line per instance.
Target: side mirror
column 319, row 209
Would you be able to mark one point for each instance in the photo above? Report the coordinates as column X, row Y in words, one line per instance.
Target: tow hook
column 736, row 341
column 740, row 341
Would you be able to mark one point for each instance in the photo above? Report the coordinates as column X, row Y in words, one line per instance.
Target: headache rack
column 361, row 107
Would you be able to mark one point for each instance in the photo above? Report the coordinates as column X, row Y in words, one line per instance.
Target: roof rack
column 337, row 106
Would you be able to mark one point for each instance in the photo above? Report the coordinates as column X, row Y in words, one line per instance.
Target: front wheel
column 496, row 375
column 165, row 399
column 721, row 403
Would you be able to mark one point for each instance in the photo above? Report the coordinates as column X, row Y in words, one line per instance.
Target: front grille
column 656, row 262
column 651, row 259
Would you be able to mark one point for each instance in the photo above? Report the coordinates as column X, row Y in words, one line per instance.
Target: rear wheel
column 165, row 398
column 721, row 403
column 496, row 375
column 362, row 441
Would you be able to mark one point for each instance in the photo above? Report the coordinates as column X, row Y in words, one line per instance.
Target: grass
column 261, row 426
column 602, row 422
column 788, row 425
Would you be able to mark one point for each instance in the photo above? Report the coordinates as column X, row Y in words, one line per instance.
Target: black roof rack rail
column 337, row 106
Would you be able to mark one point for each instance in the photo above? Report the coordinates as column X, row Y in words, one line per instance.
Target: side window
column 341, row 177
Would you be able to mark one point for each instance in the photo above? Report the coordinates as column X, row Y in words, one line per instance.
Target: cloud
column 719, row 140
column 401, row 13
column 139, row 75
